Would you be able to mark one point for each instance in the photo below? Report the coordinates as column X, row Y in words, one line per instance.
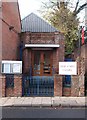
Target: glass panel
column 7, row 68
column 37, row 63
column 47, row 62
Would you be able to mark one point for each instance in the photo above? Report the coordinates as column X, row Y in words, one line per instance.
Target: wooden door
column 42, row 63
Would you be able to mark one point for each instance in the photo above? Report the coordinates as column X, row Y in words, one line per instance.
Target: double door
column 42, row 63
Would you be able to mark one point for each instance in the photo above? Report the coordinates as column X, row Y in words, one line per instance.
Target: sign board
column 11, row 67
column 68, row 68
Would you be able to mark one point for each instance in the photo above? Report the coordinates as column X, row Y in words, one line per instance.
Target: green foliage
column 66, row 22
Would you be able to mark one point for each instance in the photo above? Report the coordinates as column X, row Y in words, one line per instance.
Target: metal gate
column 38, row 86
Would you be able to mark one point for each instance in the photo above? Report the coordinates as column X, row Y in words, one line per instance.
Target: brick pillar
column 2, row 86
column 9, row 92
column 81, row 85
column 57, row 85
column 56, row 60
column 74, row 86
column 17, row 85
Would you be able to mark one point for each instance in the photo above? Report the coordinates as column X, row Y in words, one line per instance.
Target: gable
column 33, row 23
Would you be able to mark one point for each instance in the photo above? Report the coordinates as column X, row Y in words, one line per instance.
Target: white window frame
column 12, row 67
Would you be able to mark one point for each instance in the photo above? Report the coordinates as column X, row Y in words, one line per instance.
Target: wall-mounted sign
column 68, row 68
column 11, row 67
column 16, row 68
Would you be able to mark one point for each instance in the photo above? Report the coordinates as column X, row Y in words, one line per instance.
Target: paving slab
column 81, row 102
column 8, row 102
column 4, row 100
column 56, row 98
column 37, row 101
column 46, row 101
column 61, row 103
column 27, row 101
column 18, row 101
column 64, row 101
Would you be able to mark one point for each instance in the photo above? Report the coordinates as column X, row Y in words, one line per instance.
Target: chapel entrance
column 42, row 63
column 41, row 81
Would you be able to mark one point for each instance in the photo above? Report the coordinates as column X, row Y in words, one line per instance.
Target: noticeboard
column 68, row 68
column 11, row 67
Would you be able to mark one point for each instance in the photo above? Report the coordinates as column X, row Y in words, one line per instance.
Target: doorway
column 41, row 81
column 42, row 63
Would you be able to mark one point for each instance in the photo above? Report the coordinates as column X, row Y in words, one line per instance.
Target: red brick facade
column 10, row 38
column 58, row 85
column 43, row 38
column 15, row 91
column 10, row 22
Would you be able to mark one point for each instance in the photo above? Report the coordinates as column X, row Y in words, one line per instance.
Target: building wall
column 10, row 38
column 43, row 38
column 81, row 57
column 10, row 44
column 15, row 91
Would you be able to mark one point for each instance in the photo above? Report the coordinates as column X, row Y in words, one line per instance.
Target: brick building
column 43, row 48
column 81, row 57
column 40, row 47
column 11, row 27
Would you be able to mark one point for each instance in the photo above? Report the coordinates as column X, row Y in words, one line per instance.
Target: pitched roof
column 33, row 23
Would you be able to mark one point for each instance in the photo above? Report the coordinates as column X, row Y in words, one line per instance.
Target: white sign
column 16, row 68
column 68, row 68
column 11, row 67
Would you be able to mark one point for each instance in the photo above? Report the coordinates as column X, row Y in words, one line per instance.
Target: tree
column 65, row 19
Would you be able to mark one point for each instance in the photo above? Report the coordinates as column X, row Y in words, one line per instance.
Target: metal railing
column 38, row 86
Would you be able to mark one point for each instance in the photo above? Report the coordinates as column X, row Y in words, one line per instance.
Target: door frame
column 42, row 52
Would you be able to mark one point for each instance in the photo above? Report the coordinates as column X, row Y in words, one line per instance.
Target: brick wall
column 81, row 59
column 78, row 81
column 10, row 38
column 2, row 86
column 75, row 86
column 43, row 38
column 14, row 91
column 18, row 86
column 57, row 85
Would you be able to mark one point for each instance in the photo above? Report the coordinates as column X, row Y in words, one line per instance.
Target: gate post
column 2, row 85
column 58, row 85
column 75, row 86
column 17, row 85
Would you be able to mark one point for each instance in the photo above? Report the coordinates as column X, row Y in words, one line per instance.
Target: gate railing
column 38, row 86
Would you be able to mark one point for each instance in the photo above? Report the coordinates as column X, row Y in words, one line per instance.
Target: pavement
column 43, row 102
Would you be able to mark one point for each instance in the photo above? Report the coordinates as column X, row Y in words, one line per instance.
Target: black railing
column 38, row 86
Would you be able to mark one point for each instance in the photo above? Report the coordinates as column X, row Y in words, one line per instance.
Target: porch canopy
column 42, row 45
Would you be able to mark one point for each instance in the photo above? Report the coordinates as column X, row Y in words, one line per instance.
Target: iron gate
column 38, row 86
